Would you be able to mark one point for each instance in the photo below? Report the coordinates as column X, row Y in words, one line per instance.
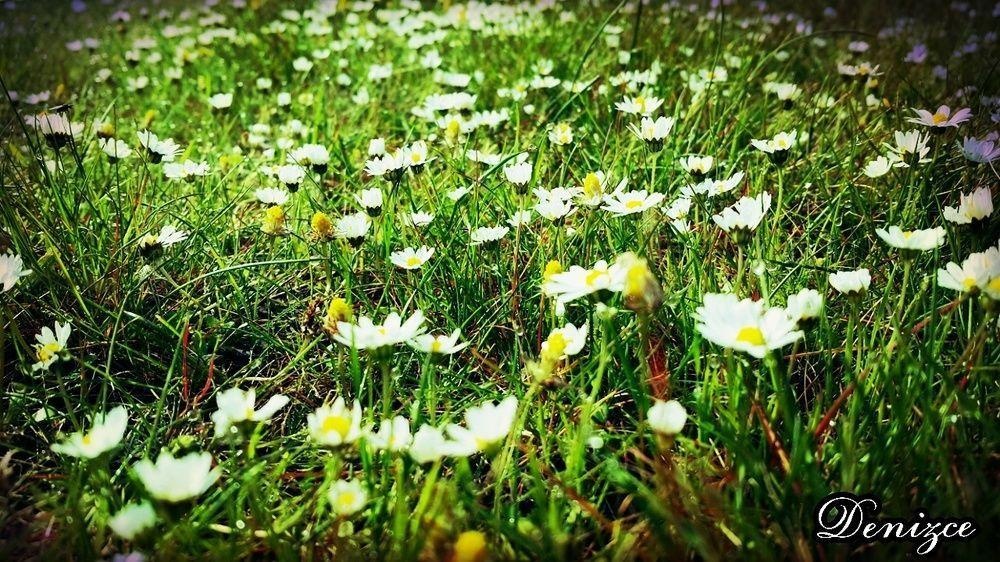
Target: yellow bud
column 148, row 117
column 274, row 220
column 338, row 311
column 227, row 161
column 453, row 130
column 322, row 226
column 106, row 130
column 470, row 546
column 642, row 291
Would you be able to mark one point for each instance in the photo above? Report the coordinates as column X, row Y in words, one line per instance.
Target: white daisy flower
column 487, row 234
column 805, row 305
column 410, row 258
column 158, row 150
column 371, row 200
column 921, row 240
column 106, row 432
column 579, row 282
column 554, row 209
column 975, row 273
column 114, row 148
column 666, row 418
column 174, row 480
column 419, row 219
column 744, row 325
column 746, row 214
column 621, row 203
column 443, row 344
column 570, row 340
column 221, row 101
column 851, row 282
column 132, row 520
column 11, row 270
column 975, row 206
column 271, row 196
column 365, row 334
column 392, row 435
column 485, row 425
column 333, row 425
column 639, row 105
column 236, row 406
column 653, row 132
column 697, row 166
column 51, row 346
column 518, row 173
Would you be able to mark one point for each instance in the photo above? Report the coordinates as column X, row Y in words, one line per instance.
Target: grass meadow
column 347, row 280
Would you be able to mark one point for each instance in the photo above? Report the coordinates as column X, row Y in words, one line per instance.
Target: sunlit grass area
column 466, row 282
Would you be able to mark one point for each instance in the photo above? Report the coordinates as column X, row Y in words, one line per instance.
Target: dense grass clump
column 348, row 281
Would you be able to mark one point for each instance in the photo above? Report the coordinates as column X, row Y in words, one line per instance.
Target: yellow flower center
column 969, row 283
column 346, row 500
column 633, row 204
column 750, row 335
column 413, row 261
column 593, row 277
column 339, row 424
column 47, row 351
column 555, row 346
column 641, row 102
column 994, row 284
column 87, row 439
column 592, row 184
column 939, row 118
column 436, row 346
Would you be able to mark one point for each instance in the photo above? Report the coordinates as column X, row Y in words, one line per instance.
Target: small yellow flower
column 274, row 221
column 322, row 226
column 470, row 546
